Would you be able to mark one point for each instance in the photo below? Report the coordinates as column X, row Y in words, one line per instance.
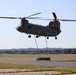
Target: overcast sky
column 11, row 38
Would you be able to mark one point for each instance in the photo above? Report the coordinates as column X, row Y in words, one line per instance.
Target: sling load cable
column 35, row 42
column 46, row 44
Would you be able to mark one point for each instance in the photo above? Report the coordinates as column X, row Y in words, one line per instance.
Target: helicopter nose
column 18, row 28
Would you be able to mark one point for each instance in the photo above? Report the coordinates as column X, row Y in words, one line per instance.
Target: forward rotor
column 28, row 17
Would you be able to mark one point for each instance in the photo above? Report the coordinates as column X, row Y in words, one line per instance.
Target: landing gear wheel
column 55, row 37
column 47, row 37
column 37, row 36
column 29, row 36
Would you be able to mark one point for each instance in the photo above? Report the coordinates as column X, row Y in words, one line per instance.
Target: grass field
column 32, row 68
column 53, row 56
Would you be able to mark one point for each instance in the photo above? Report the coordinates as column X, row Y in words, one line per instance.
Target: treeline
column 63, row 51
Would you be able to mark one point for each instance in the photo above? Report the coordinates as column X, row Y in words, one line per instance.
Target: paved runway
column 53, row 62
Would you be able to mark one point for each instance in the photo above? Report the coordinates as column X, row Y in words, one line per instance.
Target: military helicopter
column 51, row 30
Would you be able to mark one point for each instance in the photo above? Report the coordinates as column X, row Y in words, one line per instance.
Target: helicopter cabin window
column 51, row 24
column 54, row 24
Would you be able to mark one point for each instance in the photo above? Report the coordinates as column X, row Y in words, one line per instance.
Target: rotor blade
column 39, row 19
column 55, row 17
column 67, row 20
column 33, row 14
column 32, row 17
column 11, row 17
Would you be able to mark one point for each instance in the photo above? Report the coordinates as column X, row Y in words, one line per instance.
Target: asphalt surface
column 53, row 62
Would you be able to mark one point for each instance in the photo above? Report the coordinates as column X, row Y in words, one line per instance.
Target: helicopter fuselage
column 38, row 30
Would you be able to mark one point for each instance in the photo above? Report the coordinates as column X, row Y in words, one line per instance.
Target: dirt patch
column 11, row 70
column 8, row 72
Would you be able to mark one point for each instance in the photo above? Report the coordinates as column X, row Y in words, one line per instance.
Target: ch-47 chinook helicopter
column 51, row 30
